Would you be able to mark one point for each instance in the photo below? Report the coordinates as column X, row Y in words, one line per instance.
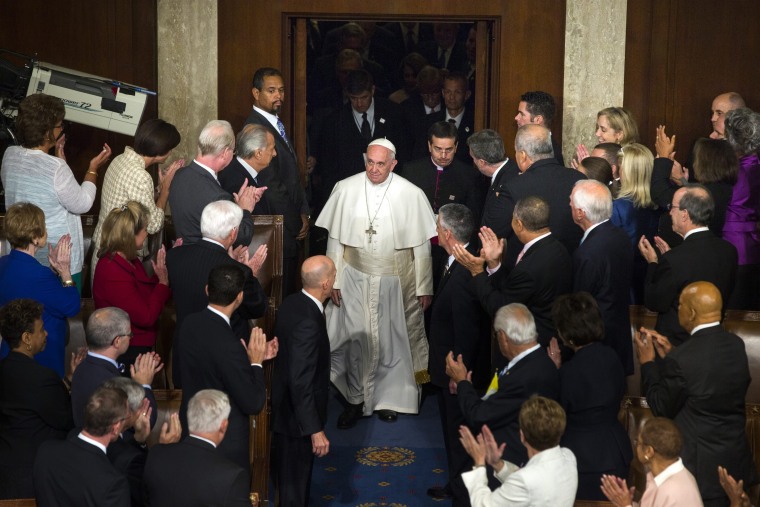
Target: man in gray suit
column 197, row 185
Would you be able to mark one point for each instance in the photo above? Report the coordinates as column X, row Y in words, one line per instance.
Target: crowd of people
column 424, row 236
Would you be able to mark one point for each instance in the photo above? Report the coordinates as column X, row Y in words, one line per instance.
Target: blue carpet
column 381, row 464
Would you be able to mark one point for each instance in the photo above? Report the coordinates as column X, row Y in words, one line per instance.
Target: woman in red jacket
column 121, row 280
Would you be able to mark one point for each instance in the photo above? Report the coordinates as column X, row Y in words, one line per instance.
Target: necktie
column 446, row 270
column 366, row 132
column 519, row 257
column 452, row 120
column 281, row 129
column 442, row 59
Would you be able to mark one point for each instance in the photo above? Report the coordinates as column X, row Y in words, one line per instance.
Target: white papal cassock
column 377, row 335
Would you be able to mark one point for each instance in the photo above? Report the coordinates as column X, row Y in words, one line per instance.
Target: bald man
column 722, row 104
column 702, row 385
column 302, row 376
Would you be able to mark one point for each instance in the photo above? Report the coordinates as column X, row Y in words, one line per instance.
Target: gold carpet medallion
column 385, row 456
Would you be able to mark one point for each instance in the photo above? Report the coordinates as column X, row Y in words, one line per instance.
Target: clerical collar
column 439, row 168
column 317, row 301
column 698, row 229
column 519, row 356
column 585, row 234
column 493, row 176
column 226, row 319
column 93, row 442
column 704, row 326
column 271, row 118
column 457, row 118
column 208, row 169
column 253, row 172
column 204, row 439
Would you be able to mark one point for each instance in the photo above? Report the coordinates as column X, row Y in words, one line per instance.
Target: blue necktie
column 281, row 128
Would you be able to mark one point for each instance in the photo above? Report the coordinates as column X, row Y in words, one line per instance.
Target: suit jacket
column 557, row 147
column 465, row 129
column 602, row 266
column 129, row 458
column 701, row 257
column 457, row 61
column 458, row 324
column 341, row 147
column 34, row 407
column 544, row 273
column 553, row 183
column 189, row 267
column 74, row 472
column 89, row 375
column 533, row 374
column 192, row 189
column 702, row 385
column 211, row 358
column 528, row 486
column 302, row 368
column 276, row 199
column 192, row 473
column 497, row 212
column 283, row 169
column 458, row 183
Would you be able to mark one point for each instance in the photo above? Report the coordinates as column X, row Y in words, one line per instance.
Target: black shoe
column 440, row 492
column 388, row 416
column 350, row 415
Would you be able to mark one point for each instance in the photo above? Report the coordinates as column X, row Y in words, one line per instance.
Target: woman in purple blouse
column 743, row 212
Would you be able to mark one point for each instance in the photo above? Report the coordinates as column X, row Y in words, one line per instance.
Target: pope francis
column 379, row 227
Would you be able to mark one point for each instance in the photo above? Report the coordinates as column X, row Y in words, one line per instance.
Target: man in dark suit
column 268, row 92
column 487, row 151
column 445, row 51
column 420, row 107
column 77, row 471
column 189, row 267
column 348, row 131
column 455, row 93
column 529, row 372
column 542, row 176
column 196, row 185
column 543, row 271
column 701, row 256
column 300, row 386
column 108, row 333
column 702, row 385
column 603, row 264
column 538, row 107
column 194, row 471
column 458, row 324
column 255, row 158
column 221, row 363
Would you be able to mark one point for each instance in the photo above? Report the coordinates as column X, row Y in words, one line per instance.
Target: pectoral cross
column 370, row 232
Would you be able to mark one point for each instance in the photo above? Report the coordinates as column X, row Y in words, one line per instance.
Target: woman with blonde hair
column 121, row 279
column 634, row 211
column 613, row 125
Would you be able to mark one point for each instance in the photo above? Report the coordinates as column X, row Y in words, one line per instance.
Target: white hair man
column 196, row 185
column 529, row 371
column 193, row 472
column 379, row 227
column 190, row 265
column 603, row 264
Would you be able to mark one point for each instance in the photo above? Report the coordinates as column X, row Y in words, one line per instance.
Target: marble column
column 187, row 68
column 594, row 67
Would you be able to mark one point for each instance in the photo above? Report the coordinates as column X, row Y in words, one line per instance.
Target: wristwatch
column 69, row 283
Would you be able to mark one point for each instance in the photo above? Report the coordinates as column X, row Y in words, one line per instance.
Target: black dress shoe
column 350, row 415
column 440, row 492
column 388, row 416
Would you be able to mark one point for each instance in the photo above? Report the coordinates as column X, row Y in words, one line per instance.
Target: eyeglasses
column 128, row 335
column 673, row 206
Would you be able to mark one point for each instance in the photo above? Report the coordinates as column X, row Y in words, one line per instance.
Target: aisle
column 381, row 464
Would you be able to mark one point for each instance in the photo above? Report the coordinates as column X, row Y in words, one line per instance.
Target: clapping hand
column 166, row 175
column 159, row 266
column 555, row 354
column 492, row 247
column 456, row 369
column 145, row 368
column 664, row 145
column 171, row 430
column 473, row 264
column 644, row 346
column 734, row 490
column 257, row 346
column 256, row 260
column 59, row 257
column 617, row 491
column 246, row 197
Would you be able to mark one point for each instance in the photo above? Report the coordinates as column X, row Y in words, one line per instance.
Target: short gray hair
column 594, row 198
column 516, row 321
column 206, row 411
column 104, row 325
column 458, row 219
column 535, row 141
column 215, row 137
column 135, row 392
column 250, row 139
column 219, row 218
column 742, row 130
column 487, row 145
